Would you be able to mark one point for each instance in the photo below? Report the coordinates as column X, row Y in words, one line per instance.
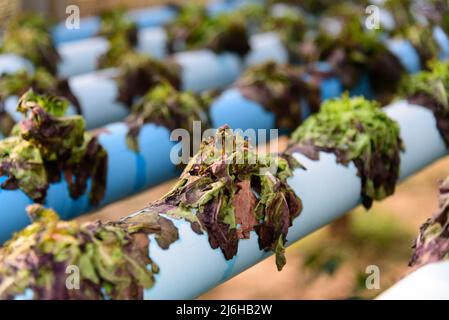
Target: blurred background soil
column 331, row 263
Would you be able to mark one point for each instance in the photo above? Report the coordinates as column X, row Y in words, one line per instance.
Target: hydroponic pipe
column 430, row 282
column 82, row 56
column 204, row 268
column 200, row 70
column 90, row 26
column 144, row 18
column 203, row 70
column 226, row 109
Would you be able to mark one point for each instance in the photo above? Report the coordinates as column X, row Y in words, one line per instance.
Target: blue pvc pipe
column 144, row 18
column 78, row 57
column 200, row 70
column 97, row 92
column 228, row 107
column 203, row 70
column 406, row 54
column 443, row 42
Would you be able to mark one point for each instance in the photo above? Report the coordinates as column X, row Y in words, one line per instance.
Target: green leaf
column 356, row 130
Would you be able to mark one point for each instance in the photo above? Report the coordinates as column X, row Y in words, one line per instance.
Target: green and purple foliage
column 112, row 259
column 355, row 130
column 47, row 145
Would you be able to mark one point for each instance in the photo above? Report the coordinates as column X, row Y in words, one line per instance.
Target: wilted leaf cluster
column 138, row 73
column 165, row 105
column 57, row 259
column 432, row 243
column 41, row 81
column 430, row 88
column 355, row 52
column 280, row 89
column 356, row 130
column 46, row 145
column 229, row 191
column 29, row 36
column 194, row 29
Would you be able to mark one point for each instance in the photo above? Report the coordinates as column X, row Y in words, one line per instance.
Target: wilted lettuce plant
column 47, row 145
column 281, row 89
column 357, row 131
column 432, row 243
column 111, row 259
column 184, row 30
column 41, row 81
column 355, row 52
column 166, row 106
column 431, row 89
column 121, row 33
column 228, row 191
column 115, row 21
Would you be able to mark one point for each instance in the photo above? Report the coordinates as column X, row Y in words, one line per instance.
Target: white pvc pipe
column 328, row 190
column 430, row 282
